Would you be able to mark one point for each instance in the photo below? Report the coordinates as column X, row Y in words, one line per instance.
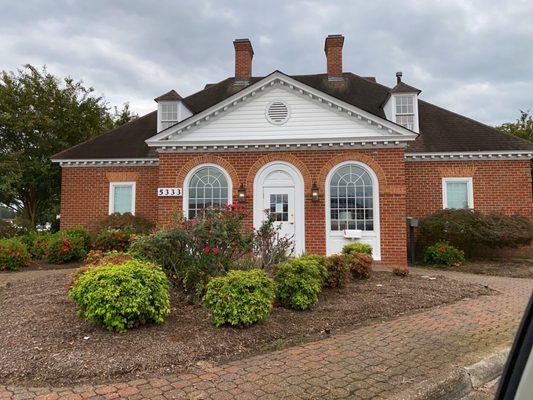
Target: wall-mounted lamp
column 314, row 192
column 242, row 194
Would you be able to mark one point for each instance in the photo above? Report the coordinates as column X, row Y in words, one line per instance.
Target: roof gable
column 346, row 122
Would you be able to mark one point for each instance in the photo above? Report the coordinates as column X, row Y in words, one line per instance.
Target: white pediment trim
column 391, row 131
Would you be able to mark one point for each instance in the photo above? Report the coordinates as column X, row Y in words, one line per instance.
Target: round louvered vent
column 277, row 112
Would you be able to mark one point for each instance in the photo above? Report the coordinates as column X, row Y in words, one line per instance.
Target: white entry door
column 279, row 203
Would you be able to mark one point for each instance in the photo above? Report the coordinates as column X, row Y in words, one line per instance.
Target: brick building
column 335, row 157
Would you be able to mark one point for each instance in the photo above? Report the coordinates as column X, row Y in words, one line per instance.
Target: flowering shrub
column 13, row 254
column 112, row 240
column 123, row 296
column 62, row 248
column 360, row 265
column 298, row 283
column 195, row 250
column 442, row 253
column 37, row 243
column 338, row 271
column 357, row 247
column 126, row 222
column 240, row 298
column 81, row 233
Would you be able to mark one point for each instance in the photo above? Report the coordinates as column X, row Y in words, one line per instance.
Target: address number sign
column 164, row 192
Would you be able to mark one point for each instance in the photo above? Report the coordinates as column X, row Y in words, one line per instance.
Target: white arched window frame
column 204, row 185
column 335, row 237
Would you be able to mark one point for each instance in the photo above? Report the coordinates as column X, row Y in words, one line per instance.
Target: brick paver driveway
column 375, row 361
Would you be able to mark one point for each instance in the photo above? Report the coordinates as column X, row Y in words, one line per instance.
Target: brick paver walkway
column 375, row 361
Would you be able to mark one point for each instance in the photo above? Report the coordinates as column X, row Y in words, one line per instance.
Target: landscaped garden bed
column 42, row 341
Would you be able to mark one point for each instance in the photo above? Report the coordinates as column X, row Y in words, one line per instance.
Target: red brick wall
column 499, row 186
column 85, row 192
column 314, row 166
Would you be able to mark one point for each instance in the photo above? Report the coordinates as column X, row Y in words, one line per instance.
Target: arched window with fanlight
column 208, row 186
column 351, row 196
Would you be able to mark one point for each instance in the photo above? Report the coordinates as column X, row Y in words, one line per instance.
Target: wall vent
column 277, row 112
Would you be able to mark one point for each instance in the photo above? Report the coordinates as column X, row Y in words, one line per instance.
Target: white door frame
column 299, row 198
column 376, row 253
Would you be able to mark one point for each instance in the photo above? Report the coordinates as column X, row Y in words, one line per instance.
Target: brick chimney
column 333, row 50
column 243, row 60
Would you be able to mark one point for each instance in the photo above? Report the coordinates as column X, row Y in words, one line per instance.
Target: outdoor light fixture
column 314, row 192
column 242, row 194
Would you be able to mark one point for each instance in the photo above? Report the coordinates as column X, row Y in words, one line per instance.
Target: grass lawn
column 42, row 341
column 510, row 268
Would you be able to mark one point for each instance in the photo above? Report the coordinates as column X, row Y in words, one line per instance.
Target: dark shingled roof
column 440, row 130
column 404, row 88
column 169, row 96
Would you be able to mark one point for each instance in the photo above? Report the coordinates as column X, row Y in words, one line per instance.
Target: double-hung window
column 405, row 112
column 457, row 193
column 169, row 115
column 122, row 197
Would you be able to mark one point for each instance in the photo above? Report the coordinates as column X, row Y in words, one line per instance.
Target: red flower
column 442, row 248
column 254, row 228
column 216, row 250
column 206, row 249
column 155, row 230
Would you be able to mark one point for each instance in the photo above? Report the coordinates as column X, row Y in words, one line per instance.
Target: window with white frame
column 405, row 112
column 457, row 193
column 351, row 196
column 208, row 187
column 169, row 114
column 122, row 197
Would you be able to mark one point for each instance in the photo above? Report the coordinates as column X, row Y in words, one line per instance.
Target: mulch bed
column 36, row 265
column 42, row 341
column 510, row 268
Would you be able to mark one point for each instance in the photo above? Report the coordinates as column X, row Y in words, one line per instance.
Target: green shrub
column 126, row 222
column 360, row 265
column 442, row 253
column 13, row 254
column 82, row 233
column 112, row 240
column 123, row 296
column 472, row 231
column 97, row 258
column 63, row 247
column 357, row 247
column 298, row 283
column 338, row 271
column 240, row 298
column 319, row 261
column 37, row 243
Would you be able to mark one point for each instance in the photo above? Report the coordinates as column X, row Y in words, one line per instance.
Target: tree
column 523, row 127
column 41, row 115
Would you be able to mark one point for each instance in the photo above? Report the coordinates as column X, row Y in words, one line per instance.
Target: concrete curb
column 459, row 381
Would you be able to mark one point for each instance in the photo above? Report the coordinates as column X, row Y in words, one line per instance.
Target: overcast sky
column 475, row 58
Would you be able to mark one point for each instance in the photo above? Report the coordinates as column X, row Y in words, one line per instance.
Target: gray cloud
column 475, row 57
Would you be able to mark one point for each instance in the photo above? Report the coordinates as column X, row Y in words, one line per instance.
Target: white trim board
column 469, row 156
column 141, row 162
column 391, row 130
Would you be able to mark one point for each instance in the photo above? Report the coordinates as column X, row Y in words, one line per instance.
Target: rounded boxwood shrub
column 298, row 283
column 320, row 263
column 62, row 247
column 240, row 298
column 112, row 240
column 357, row 247
column 13, row 254
column 124, row 296
column 338, row 271
column 443, row 253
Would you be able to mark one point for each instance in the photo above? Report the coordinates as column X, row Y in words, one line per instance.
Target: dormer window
column 169, row 114
column 405, row 113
